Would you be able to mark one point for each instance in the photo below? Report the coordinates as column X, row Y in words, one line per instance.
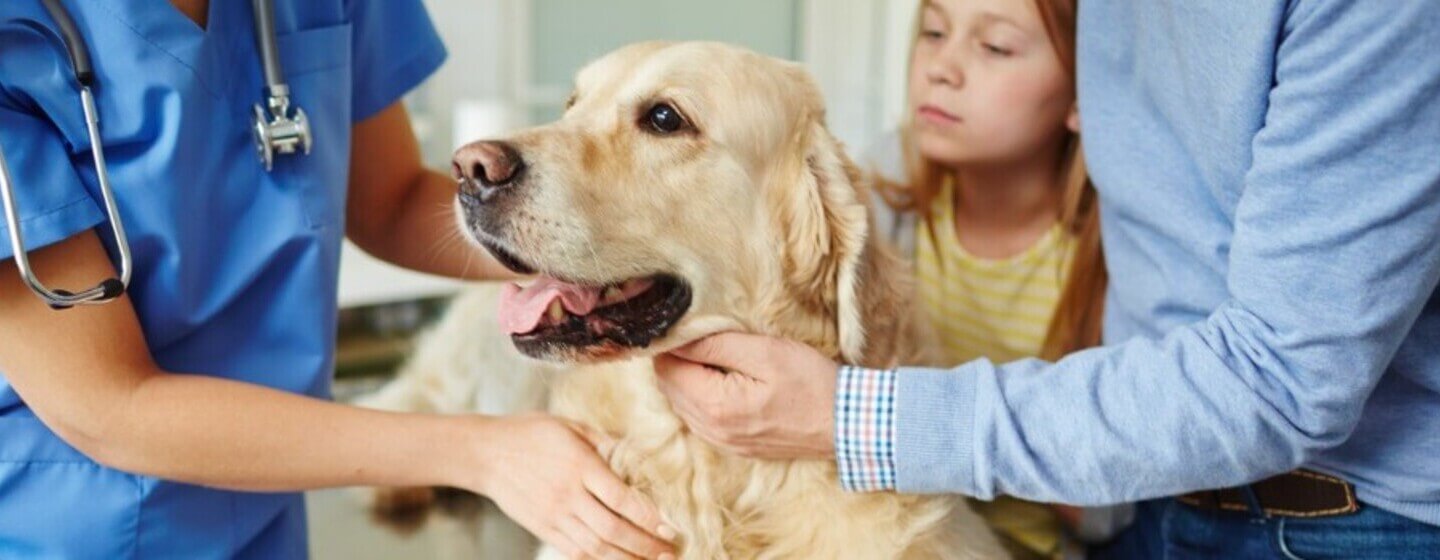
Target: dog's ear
column 826, row 224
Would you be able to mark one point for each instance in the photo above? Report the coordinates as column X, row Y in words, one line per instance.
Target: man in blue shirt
column 1269, row 176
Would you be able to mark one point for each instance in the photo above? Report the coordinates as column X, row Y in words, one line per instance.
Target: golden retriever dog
column 689, row 188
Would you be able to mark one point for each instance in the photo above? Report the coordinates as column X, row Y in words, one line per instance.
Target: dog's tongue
column 521, row 309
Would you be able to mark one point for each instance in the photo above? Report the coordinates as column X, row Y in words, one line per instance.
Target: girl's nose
column 945, row 68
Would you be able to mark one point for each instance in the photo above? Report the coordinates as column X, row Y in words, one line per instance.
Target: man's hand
column 754, row 396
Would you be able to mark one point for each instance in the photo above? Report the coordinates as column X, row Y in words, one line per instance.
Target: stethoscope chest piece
column 276, row 131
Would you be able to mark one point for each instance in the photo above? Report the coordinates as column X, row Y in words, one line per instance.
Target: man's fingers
column 692, row 389
column 685, row 377
column 620, row 533
column 725, row 350
column 665, row 365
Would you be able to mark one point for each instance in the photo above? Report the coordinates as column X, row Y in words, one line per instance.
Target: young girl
column 986, row 188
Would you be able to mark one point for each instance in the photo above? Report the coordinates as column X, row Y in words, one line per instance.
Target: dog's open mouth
column 551, row 318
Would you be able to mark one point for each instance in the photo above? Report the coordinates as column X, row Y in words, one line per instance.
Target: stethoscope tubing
column 84, row 72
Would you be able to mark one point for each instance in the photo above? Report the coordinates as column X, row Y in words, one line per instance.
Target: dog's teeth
column 556, row 312
column 611, row 295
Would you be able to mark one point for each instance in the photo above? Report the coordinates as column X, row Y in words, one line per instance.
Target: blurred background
column 511, row 64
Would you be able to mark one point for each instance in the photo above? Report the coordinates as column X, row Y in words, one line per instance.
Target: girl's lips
column 937, row 115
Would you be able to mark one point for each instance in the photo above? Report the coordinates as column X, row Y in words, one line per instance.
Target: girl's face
column 986, row 86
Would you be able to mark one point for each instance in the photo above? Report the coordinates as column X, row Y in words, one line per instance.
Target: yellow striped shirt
column 998, row 309
column 988, row 308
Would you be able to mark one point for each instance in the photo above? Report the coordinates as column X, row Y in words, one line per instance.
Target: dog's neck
column 885, row 291
column 841, row 287
column 895, row 334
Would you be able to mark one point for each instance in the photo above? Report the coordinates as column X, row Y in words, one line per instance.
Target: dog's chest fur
column 738, row 508
column 731, row 507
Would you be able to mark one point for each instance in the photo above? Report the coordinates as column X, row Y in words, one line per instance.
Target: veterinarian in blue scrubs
column 214, row 368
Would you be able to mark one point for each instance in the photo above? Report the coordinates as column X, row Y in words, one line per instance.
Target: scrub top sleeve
column 52, row 202
column 395, row 48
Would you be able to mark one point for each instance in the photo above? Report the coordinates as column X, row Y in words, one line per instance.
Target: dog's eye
column 664, row 119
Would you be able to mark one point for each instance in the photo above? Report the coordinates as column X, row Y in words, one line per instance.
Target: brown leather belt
column 1298, row 493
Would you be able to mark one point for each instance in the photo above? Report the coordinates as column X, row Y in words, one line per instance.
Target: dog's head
column 689, row 188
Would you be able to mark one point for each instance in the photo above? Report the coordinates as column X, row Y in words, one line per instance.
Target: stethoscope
column 276, row 132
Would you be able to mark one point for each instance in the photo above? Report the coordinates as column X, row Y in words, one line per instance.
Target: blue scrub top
column 235, row 268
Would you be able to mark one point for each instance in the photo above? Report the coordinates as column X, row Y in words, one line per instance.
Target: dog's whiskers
column 445, row 243
column 594, row 255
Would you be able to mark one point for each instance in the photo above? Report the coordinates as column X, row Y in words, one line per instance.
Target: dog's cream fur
column 759, row 210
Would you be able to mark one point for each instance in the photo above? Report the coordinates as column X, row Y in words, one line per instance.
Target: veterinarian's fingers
column 603, row 443
column 619, row 532
column 562, row 544
column 590, row 543
column 624, row 500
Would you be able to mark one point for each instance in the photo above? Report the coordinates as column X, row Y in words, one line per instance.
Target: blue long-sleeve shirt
column 1269, row 178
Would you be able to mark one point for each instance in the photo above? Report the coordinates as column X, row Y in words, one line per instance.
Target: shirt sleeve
column 395, row 47
column 865, row 429
column 1333, row 257
column 51, row 202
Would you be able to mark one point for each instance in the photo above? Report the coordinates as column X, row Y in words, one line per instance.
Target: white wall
column 859, row 50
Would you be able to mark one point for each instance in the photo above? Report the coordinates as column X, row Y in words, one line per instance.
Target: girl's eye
column 932, row 34
column 996, row 50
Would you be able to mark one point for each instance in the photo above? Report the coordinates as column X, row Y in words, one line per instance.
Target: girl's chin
column 945, row 149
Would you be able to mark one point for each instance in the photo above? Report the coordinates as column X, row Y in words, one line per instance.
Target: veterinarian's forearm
column 227, row 434
column 424, row 235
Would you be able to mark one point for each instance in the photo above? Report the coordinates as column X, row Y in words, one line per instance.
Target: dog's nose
column 492, row 164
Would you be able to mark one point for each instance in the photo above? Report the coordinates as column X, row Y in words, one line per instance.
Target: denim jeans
column 1168, row 530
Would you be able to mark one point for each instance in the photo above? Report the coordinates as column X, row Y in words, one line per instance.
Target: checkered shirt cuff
column 865, row 429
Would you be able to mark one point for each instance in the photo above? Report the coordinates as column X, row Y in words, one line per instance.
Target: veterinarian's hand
column 548, row 475
column 754, row 396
